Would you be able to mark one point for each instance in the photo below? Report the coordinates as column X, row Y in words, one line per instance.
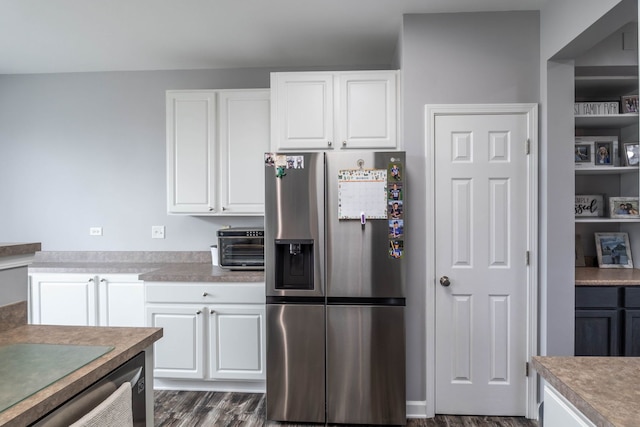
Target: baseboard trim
column 201, row 385
column 416, row 409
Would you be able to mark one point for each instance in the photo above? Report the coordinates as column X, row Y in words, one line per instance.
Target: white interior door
column 480, row 258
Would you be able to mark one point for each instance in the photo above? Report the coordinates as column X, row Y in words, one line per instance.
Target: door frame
column 432, row 111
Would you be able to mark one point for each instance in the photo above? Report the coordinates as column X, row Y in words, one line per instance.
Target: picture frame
column 613, row 250
column 629, row 104
column 632, row 153
column 603, row 153
column 624, row 207
column 579, row 262
column 583, row 154
column 610, row 144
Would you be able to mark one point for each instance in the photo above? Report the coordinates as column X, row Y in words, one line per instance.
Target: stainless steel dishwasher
column 73, row 409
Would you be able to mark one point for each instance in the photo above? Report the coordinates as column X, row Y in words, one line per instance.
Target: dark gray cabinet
column 632, row 321
column 607, row 321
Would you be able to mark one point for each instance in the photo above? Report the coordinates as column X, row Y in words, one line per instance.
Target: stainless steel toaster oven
column 241, row 248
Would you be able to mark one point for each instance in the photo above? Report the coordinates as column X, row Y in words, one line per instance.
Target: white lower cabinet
column 179, row 354
column 559, row 412
column 86, row 299
column 236, row 342
column 212, row 332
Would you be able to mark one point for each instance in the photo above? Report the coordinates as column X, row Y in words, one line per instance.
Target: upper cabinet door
column 244, row 122
column 334, row 110
column 191, row 154
column 302, row 111
column 366, row 112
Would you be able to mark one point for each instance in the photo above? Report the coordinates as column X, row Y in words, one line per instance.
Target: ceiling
column 47, row 36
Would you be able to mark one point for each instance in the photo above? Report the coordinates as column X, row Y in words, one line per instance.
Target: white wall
column 454, row 58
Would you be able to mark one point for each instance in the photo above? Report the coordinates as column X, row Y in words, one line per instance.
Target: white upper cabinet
column 244, row 138
column 216, row 140
column 191, row 152
column 334, row 110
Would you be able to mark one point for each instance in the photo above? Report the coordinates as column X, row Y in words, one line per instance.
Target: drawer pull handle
column 205, row 294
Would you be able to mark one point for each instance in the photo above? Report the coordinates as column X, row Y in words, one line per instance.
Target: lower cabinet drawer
column 632, row 297
column 205, row 293
column 597, row 296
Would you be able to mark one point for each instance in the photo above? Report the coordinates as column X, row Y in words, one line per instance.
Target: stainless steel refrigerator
column 335, row 273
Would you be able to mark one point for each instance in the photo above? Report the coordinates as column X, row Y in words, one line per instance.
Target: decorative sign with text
column 589, row 205
column 596, row 108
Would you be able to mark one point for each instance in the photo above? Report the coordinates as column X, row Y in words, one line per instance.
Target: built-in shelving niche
column 601, row 84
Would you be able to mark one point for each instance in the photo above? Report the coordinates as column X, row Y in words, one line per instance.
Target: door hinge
column 527, row 257
column 527, row 146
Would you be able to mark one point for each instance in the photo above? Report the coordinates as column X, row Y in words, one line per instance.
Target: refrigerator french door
column 334, row 266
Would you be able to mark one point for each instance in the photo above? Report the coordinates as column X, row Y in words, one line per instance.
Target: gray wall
column 461, row 58
column 565, row 35
column 13, row 285
column 88, row 149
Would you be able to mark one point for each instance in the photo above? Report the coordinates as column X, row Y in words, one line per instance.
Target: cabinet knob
column 344, row 143
column 91, row 280
column 210, row 209
column 199, row 312
column 212, row 312
column 224, row 208
column 329, row 143
column 205, row 294
column 103, row 280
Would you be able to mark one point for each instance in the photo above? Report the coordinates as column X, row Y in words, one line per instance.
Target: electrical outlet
column 157, row 231
column 95, row 231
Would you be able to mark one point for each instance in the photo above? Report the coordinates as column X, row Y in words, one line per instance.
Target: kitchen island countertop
column 127, row 342
column 605, row 389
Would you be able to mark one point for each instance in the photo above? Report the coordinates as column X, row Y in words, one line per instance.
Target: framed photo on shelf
column 632, row 153
column 613, row 250
column 584, row 154
column 623, row 207
column 603, row 153
column 629, row 104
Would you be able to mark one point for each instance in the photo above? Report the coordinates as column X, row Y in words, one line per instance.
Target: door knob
column 444, row 281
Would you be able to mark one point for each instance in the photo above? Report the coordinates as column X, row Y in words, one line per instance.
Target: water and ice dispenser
column 294, row 264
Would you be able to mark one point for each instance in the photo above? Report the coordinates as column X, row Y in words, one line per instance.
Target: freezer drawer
column 366, row 365
column 295, row 362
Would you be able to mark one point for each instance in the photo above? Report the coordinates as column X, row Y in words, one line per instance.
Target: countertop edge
column 14, row 249
column 153, row 272
column 571, row 395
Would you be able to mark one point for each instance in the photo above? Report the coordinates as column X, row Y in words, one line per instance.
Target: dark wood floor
column 200, row 409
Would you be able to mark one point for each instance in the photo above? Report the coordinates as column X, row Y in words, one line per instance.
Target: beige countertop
column 593, row 276
column 149, row 266
column 127, row 342
column 200, row 273
column 605, row 389
column 13, row 249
